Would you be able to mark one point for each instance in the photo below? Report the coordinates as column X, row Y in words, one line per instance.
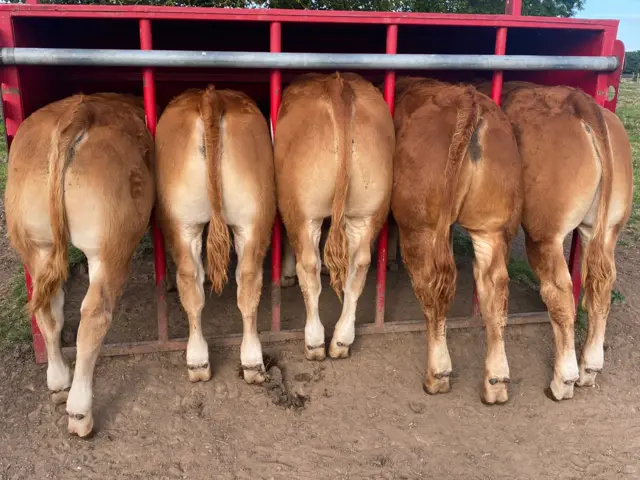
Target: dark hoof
column 198, row 367
column 549, row 394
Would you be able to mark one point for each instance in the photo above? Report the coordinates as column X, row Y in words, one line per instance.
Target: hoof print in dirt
column 417, row 407
column 277, row 390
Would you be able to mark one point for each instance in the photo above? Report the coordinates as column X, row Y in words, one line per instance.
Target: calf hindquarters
column 95, row 154
column 215, row 165
column 333, row 152
column 577, row 174
column 456, row 160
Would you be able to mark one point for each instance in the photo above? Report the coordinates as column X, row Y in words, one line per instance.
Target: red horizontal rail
column 300, row 16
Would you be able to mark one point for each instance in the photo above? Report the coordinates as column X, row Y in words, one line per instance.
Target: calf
column 456, row 160
column 577, row 174
column 215, row 165
column 333, row 154
column 80, row 170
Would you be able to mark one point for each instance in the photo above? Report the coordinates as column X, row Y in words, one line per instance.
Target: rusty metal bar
column 110, row 350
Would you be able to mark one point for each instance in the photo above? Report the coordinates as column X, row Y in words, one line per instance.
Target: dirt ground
column 363, row 417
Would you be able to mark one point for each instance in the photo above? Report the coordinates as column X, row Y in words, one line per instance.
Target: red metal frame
column 301, row 16
column 159, row 254
column 14, row 113
column 275, row 91
column 383, row 237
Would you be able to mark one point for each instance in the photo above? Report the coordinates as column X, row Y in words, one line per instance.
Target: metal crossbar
column 364, row 61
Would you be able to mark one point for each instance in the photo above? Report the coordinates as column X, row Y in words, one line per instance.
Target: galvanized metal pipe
column 310, row 61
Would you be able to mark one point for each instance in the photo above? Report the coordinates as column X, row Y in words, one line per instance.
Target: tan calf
column 80, row 170
column 215, row 165
column 456, row 161
column 333, row 153
column 577, row 174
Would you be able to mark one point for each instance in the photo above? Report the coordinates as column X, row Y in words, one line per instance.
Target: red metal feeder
column 52, row 51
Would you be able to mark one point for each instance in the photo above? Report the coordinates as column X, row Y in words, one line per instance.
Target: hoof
column 339, row 350
column 438, row 384
column 60, row 396
column 560, row 390
column 286, row 282
column 316, row 353
column 495, row 391
column 253, row 374
column 199, row 373
column 588, row 376
column 80, row 425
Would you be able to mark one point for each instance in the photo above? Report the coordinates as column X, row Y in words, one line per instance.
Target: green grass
column 462, row 245
column 14, row 322
column 629, row 112
column 520, row 271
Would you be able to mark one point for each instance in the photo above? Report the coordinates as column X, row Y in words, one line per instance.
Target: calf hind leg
column 190, row 279
column 547, row 260
column 492, row 279
column 308, row 266
column 106, row 282
column 426, row 274
column 360, row 232
column 50, row 320
column 601, row 274
column 249, row 280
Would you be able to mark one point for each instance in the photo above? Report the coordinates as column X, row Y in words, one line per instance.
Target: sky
column 627, row 11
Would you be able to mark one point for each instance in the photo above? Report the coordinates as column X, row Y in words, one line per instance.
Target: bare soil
column 363, row 417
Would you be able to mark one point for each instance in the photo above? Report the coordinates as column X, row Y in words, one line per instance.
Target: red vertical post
column 574, row 266
column 275, row 86
column 513, row 7
column 501, row 48
column 149, row 93
column 39, row 347
column 383, row 237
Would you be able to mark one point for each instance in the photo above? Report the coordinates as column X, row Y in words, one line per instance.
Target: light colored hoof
column 317, row 353
column 438, row 383
column 60, row 396
column 199, row 373
column 588, row 376
column 495, row 391
column 287, row 282
column 254, row 374
column 561, row 389
column 339, row 350
column 80, row 425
